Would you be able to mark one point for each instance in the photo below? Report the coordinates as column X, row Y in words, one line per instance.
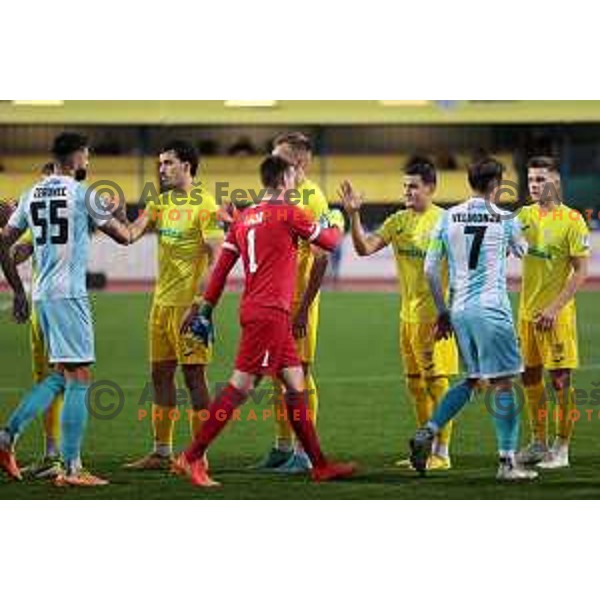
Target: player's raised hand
column 20, row 308
column 351, row 200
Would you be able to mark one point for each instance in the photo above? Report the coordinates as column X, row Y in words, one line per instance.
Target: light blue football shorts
column 68, row 329
column 487, row 343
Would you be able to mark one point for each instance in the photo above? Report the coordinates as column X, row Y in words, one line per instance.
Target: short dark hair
column 272, row 170
column 485, row 174
column 185, row 152
column 544, row 162
column 423, row 167
column 49, row 168
column 296, row 139
column 66, row 144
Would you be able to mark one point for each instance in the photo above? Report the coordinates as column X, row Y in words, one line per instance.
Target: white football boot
column 557, row 457
column 509, row 470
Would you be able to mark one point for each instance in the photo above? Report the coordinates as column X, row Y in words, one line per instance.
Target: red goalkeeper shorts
column 267, row 344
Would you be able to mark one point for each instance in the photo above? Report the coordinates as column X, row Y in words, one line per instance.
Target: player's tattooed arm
column 117, row 231
column 365, row 243
column 140, row 226
column 546, row 319
column 126, row 233
column 8, row 237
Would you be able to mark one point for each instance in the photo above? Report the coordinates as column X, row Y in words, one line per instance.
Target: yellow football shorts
column 554, row 349
column 167, row 344
column 39, row 358
column 422, row 355
column 307, row 346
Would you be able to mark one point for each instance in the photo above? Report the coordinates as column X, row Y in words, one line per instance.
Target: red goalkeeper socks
column 219, row 413
column 301, row 422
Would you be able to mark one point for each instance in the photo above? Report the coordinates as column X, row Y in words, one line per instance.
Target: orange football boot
column 196, row 471
column 331, row 471
column 8, row 462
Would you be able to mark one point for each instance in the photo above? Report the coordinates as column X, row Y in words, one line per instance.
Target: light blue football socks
column 506, row 420
column 450, row 405
column 34, row 403
column 73, row 421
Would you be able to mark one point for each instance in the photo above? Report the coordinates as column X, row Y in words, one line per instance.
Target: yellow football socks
column 422, row 400
column 162, row 425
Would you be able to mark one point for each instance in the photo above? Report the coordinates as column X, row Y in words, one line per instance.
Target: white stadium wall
column 137, row 263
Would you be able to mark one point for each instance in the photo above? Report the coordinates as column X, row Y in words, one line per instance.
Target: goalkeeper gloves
column 202, row 326
column 333, row 218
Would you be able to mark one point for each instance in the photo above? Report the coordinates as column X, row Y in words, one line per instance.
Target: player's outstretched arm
column 364, row 243
column 325, row 234
column 140, row 226
column 125, row 234
column 116, row 231
column 8, row 237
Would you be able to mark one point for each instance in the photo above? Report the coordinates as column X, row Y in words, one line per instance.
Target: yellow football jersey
column 314, row 201
column 409, row 233
column 553, row 237
column 183, row 225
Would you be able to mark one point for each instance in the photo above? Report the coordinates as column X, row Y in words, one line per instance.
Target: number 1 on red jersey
column 252, row 264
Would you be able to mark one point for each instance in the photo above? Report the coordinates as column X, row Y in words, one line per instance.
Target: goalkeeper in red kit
column 265, row 236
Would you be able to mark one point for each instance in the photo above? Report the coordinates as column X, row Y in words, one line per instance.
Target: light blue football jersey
column 476, row 238
column 59, row 212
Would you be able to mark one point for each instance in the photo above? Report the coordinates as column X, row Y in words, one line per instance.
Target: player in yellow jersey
column 49, row 466
column 189, row 235
column 553, row 270
column 285, row 456
column 427, row 363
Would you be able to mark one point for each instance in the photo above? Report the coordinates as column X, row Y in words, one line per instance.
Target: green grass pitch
column 365, row 414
